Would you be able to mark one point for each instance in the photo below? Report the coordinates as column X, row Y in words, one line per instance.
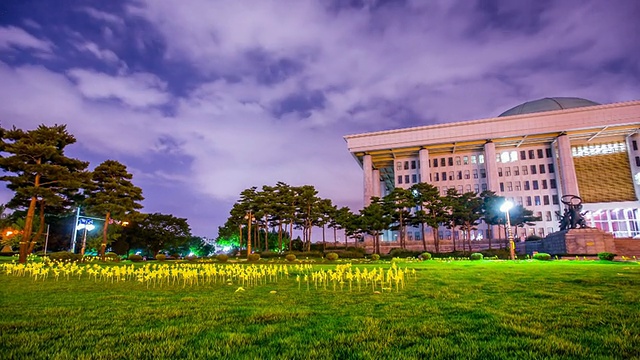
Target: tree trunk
column 453, row 237
column 424, row 238
column 279, row 235
column 436, row 240
column 240, row 241
column 290, row 233
column 103, row 246
column 335, row 237
column 324, row 244
column 34, row 239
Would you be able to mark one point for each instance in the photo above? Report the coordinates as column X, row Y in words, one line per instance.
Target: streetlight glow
column 506, row 206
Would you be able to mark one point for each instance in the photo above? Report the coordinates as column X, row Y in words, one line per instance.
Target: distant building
column 532, row 154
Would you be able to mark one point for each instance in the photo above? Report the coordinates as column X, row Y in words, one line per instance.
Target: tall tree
column 467, row 211
column 491, row 210
column 399, row 203
column 307, row 208
column 112, row 195
column 37, row 169
column 374, row 219
column 158, row 232
column 431, row 211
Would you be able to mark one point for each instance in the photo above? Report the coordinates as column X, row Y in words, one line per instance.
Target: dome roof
column 548, row 104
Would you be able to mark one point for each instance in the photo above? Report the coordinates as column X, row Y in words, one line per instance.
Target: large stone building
column 532, row 154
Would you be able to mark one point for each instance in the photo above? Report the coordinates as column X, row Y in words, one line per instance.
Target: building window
column 537, row 200
column 443, row 162
column 450, row 175
column 551, row 169
column 481, row 159
column 507, row 171
column 450, row 161
column 528, row 200
column 509, row 186
column 459, row 175
column 399, row 165
column 531, row 154
column 499, row 171
column 437, row 176
column 444, row 176
column 459, row 189
column 634, row 145
column 513, row 155
column 413, row 164
column 533, row 170
column 540, row 153
column 465, row 160
column 399, row 179
column 516, row 171
column 545, row 199
column 468, row 188
column 418, row 236
column 535, row 185
column 637, row 160
column 526, row 185
column 501, row 187
column 525, row 170
column 435, row 162
column 518, row 187
column 467, row 174
column 406, row 165
column 473, row 159
column 476, row 188
column 484, row 187
column 523, row 155
column 483, row 173
column 548, row 213
column 548, row 150
column 410, row 236
column 552, row 183
column 458, row 161
column 475, row 173
column 519, row 200
column 414, row 178
column 554, row 199
column 544, row 184
column 541, row 167
column 406, row 179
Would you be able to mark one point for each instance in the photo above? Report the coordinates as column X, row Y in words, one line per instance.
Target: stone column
column 376, row 182
column 635, row 170
column 423, row 158
column 491, row 167
column 367, row 168
column 568, row 178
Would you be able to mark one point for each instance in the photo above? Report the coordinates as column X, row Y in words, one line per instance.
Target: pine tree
column 112, row 195
column 40, row 174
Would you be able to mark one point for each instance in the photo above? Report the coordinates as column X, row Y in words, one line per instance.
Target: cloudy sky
column 202, row 99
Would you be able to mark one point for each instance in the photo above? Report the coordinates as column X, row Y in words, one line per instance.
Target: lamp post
column 506, row 206
column 249, row 217
column 87, row 225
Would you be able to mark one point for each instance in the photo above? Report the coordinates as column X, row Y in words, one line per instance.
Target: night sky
column 201, row 99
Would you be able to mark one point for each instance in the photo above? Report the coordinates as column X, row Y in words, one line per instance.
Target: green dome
column 548, row 104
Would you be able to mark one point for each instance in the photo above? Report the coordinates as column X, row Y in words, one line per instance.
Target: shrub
column 403, row 253
column 253, row 257
column 476, row 256
column 290, row 257
column 191, row 258
column 375, row 257
column 533, row 238
column 65, row 256
column 606, row 256
column 161, row 257
column 222, row 258
column 332, row 256
column 111, row 256
column 135, row 257
column 426, row 256
column 542, row 256
column 269, row 254
column 348, row 254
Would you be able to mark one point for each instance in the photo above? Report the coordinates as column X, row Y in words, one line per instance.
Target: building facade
column 532, row 154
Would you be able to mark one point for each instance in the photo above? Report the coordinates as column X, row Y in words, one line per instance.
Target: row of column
column 568, row 179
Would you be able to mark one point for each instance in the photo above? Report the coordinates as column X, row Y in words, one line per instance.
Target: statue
column 572, row 217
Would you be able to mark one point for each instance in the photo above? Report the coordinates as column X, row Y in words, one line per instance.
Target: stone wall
column 627, row 247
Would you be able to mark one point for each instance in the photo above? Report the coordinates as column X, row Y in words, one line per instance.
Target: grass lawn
column 459, row 309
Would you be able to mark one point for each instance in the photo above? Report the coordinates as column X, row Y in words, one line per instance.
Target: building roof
column 548, row 104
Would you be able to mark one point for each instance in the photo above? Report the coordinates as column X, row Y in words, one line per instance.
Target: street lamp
column 506, row 206
column 87, row 225
column 250, row 218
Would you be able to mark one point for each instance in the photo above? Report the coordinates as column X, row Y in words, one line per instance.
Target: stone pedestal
column 576, row 242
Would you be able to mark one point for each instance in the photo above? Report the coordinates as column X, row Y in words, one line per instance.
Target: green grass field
column 460, row 309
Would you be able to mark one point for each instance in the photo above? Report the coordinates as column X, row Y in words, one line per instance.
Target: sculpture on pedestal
column 572, row 217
